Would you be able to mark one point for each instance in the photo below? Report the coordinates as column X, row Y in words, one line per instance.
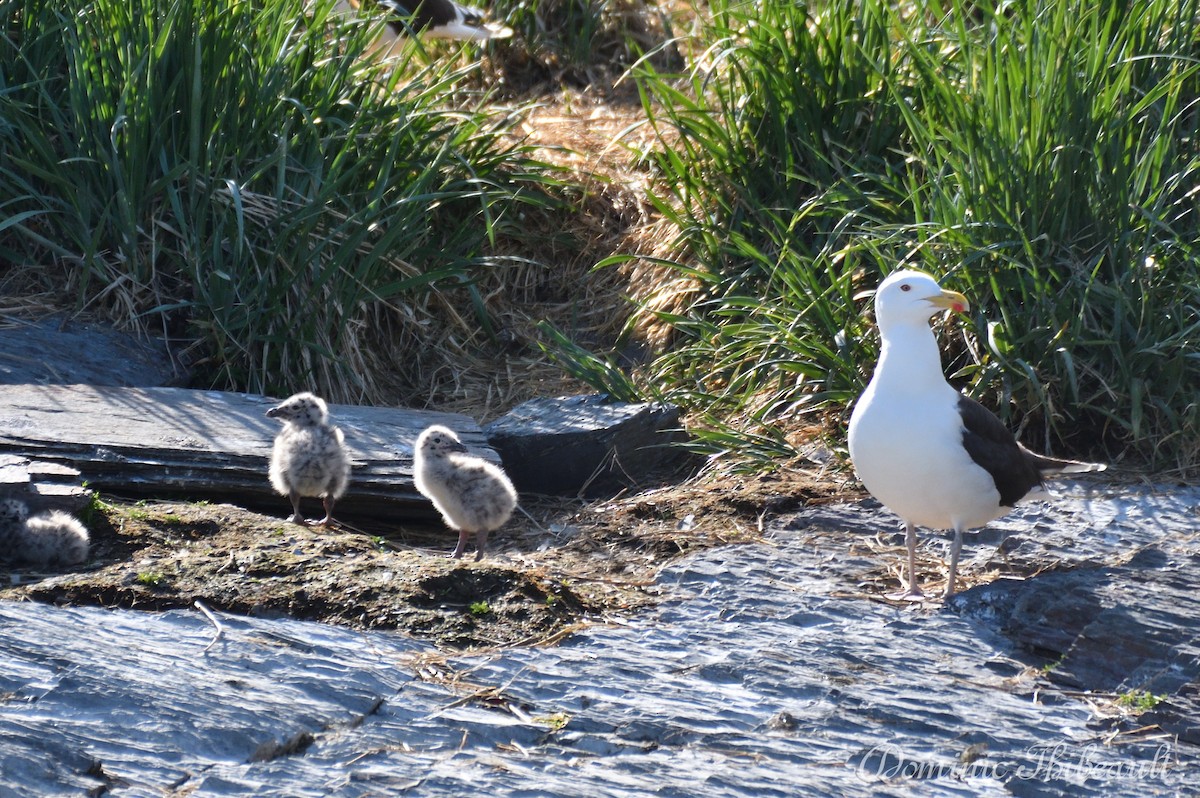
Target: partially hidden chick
column 49, row 538
column 310, row 456
column 473, row 495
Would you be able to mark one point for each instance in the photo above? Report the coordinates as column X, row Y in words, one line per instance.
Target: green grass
column 1059, row 181
column 556, row 721
column 1041, row 158
column 233, row 173
column 1139, row 701
column 95, row 509
column 150, row 578
column 1049, row 667
column 575, row 37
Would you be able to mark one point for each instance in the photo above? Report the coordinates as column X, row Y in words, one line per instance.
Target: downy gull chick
column 49, row 538
column 473, row 495
column 309, row 457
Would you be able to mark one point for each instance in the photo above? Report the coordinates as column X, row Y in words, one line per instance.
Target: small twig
column 216, row 623
column 551, row 639
column 534, row 521
column 609, row 460
column 339, row 525
column 581, row 577
column 494, row 693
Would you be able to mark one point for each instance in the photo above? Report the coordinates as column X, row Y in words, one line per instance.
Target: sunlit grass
column 237, row 174
column 1041, row 158
column 1056, row 159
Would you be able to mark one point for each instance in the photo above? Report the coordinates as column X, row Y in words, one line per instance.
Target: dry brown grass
column 595, row 139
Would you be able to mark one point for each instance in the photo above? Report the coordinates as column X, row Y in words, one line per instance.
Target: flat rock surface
column 585, row 445
column 56, row 350
column 210, row 444
column 771, row 668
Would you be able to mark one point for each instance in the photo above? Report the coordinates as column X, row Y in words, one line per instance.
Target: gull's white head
column 911, row 297
column 438, row 441
column 303, row 409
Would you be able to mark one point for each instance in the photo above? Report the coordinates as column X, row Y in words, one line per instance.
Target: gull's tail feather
column 1050, row 466
column 465, row 31
column 1082, row 468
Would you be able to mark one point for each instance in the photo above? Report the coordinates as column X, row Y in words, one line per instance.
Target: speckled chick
column 12, row 521
column 50, row 538
column 473, row 495
column 309, row 457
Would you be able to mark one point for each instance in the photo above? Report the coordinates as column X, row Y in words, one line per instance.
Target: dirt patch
column 566, row 563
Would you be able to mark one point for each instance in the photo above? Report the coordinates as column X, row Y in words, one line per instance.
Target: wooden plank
column 211, row 444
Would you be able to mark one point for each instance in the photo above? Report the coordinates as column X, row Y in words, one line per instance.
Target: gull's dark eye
column 905, row 287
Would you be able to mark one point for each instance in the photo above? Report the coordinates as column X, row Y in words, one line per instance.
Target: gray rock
column 1118, row 629
column 164, row 442
column 42, row 485
column 585, row 445
column 765, row 672
column 212, row 444
column 59, row 351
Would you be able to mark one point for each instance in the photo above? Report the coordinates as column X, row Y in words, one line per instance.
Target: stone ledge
column 586, row 446
column 89, row 399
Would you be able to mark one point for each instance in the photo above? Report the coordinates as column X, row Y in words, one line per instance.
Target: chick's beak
column 950, row 300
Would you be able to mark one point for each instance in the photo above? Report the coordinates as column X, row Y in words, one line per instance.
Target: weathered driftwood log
column 210, row 444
